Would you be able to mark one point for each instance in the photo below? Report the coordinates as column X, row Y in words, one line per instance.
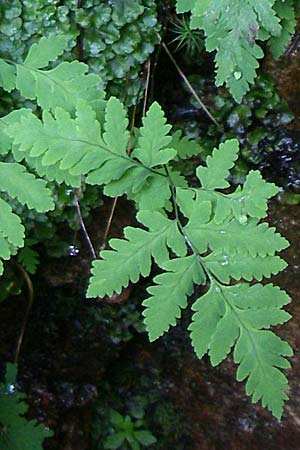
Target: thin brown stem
column 108, row 225
column 83, row 227
column 188, row 84
column 29, row 305
column 146, row 87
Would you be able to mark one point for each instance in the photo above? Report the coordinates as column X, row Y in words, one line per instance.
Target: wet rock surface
column 65, row 362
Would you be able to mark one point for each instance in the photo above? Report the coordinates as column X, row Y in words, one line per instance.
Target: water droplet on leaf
column 237, row 75
column 225, row 261
column 243, row 219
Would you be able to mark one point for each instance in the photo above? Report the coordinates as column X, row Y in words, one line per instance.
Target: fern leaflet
column 236, row 317
column 61, row 86
column 136, row 251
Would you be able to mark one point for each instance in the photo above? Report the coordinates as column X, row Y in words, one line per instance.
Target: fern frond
column 132, row 257
column 235, row 316
column 169, row 295
column 232, row 29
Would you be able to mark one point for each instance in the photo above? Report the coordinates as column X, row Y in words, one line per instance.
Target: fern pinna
column 197, row 235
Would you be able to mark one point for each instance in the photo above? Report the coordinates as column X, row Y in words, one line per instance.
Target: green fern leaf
column 61, row 86
column 169, row 295
column 28, row 258
column 116, row 135
column 25, row 187
column 214, row 175
column 153, row 140
column 185, row 147
column 47, row 49
column 154, row 195
column 232, row 29
column 251, row 200
column 254, row 196
column 11, row 232
column 209, row 309
column 10, row 226
column 18, row 433
column 14, row 116
column 235, row 316
column 52, row 172
column 115, row 139
column 76, row 145
column 132, row 256
column 231, row 236
column 286, row 11
column 7, row 76
column 239, row 266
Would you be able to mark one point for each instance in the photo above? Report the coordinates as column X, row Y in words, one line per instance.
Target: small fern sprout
column 187, row 39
